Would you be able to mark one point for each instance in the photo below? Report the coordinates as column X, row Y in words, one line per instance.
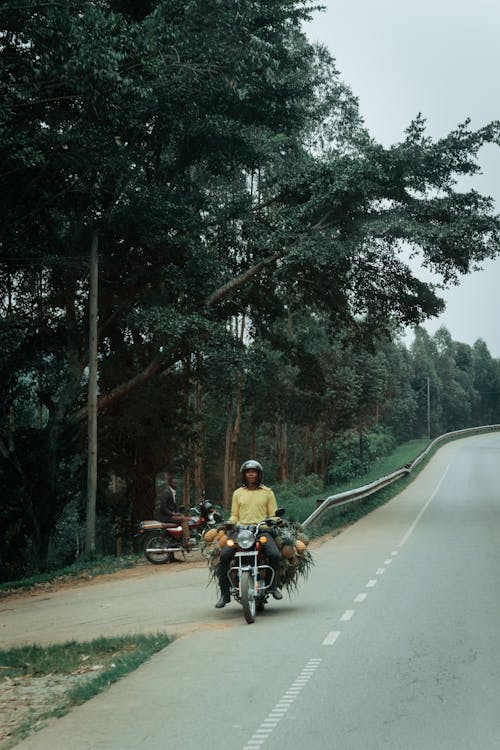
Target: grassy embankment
column 300, row 505
column 43, row 682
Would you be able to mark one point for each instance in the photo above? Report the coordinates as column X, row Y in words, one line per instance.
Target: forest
column 253, row 247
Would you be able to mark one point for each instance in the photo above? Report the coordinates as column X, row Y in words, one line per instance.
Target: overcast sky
column 440, row 58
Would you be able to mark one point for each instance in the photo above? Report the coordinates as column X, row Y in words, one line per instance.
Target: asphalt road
column 392, row 643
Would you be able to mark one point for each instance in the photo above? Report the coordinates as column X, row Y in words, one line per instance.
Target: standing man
column 252, row 503
column 169, row 513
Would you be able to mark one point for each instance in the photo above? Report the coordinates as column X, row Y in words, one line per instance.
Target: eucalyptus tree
column 486, row 381
column 458, row 396
column 427, row 385
column 399, row 408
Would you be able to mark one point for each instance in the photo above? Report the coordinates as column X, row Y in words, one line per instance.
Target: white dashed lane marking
column 348, row 614
column 331, row 638
column 271, row 722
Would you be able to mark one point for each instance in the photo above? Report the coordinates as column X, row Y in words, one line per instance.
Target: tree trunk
column 232, row 436
column 92, row 402
column 118, row 525
column 198, row 442
column 253, row 441
column 314, row 450
column 293, row 472
column 188, row 448
column 227, row 450
column 186, row 486
column 306, row 446
column 324, row 441
column 282, row 449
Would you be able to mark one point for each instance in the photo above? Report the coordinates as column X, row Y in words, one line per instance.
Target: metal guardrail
column 344, row 498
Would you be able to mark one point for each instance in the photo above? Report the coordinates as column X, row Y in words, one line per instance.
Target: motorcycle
column 162, row 540
column 251, row 578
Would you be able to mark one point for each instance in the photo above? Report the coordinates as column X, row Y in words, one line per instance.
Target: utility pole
column 92, row 400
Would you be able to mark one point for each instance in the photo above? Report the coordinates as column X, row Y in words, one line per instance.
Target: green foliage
column 299, row 495
column 355, row 452
column 250, row 235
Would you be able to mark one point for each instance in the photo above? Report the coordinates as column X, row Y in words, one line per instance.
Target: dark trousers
column 273, row 557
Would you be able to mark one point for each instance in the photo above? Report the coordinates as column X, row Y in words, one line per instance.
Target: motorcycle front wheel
column 157, row 541
column 247, row 594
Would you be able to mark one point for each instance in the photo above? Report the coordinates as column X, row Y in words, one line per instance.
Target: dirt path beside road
column 172, row 598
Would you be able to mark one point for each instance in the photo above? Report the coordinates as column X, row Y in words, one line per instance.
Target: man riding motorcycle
column 252, row 503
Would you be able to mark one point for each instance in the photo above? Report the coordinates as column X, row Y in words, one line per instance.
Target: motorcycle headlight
column 245, row 539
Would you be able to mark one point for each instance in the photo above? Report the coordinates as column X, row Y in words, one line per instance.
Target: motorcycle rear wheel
column 157, row 558
column 247, row 594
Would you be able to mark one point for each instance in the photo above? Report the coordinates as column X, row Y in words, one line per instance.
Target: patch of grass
column 49, row 680
column 401, row 456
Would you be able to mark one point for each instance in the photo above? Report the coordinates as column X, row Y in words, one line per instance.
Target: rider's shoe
column 223, row 600
column 277, row 593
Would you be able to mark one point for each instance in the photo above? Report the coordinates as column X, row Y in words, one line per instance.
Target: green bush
column 300, row 499
column 355, row 452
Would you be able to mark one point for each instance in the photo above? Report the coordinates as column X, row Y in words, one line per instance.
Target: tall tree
column 486, row 379
column 225, row 168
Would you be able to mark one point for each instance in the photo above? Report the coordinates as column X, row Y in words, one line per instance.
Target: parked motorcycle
column 251, row 578
column 162, row 540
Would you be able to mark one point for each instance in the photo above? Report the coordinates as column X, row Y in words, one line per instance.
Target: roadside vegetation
column 207, row 166
column 44, row 682
column 299, row 500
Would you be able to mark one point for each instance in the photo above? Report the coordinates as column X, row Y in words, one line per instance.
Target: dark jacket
column 167, row 505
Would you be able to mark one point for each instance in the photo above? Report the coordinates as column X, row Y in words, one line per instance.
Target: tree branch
column 225, row 290
column 156, row 366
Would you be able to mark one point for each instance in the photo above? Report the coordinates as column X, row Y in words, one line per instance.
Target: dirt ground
column 24, row 700
column 139, row 571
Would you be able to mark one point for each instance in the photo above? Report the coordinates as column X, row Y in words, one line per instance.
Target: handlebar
column 229, row 527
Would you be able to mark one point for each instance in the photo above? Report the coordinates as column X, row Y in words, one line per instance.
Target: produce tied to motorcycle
column 296, row 559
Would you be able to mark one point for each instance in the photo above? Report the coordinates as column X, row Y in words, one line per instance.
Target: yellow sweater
column 252, row 506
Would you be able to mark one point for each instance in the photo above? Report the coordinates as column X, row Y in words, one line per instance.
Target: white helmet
column 251, row 465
